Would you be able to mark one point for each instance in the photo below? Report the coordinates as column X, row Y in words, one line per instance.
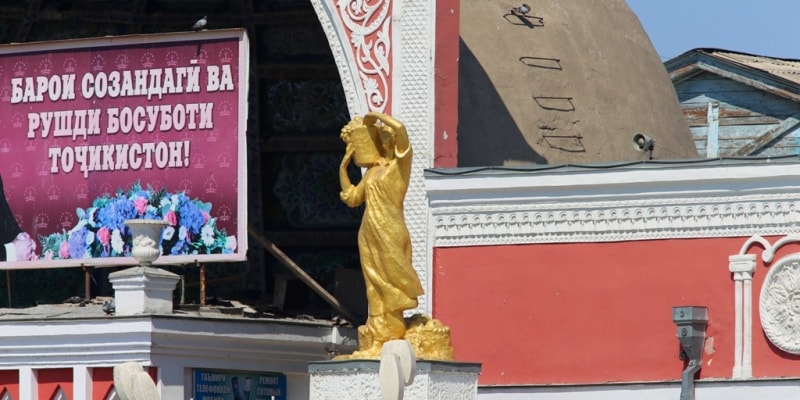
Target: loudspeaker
column 643, row 142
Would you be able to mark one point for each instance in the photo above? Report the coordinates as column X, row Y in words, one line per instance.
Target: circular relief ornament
column 779, row 304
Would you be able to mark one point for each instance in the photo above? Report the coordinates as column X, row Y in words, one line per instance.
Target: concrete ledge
column 359, row 379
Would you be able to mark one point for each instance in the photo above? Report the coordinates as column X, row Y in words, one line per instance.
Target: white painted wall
column 729, row 390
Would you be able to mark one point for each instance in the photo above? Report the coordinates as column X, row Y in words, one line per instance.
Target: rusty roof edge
column 772, row 83
column 712, row 50
column 688, row 64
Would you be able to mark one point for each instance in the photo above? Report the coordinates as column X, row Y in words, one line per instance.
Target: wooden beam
column 768, row 136
column 712, row 133
column 202, row 284
column 297, row 271
column 324, row 239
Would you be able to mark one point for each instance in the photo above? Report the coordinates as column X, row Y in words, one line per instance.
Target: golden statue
column 380, row 144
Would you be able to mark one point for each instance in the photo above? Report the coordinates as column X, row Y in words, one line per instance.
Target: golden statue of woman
column 380, row 144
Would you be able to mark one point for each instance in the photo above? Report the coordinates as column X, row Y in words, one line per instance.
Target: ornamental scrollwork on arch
column 368, row 24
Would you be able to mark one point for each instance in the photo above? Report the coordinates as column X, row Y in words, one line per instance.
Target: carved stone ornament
column 368, row 24
column 779, row 305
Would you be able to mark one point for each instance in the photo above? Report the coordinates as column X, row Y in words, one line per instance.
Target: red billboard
column 99, row 131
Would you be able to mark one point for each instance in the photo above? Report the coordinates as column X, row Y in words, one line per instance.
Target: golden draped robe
column 383, row 240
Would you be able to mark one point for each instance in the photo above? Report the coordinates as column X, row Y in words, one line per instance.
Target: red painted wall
column 50, row 379
column 102, row 382
column 153, row 372
column 585, row 312
column 596, row 312
column 9, row 381
column 768, row 360
column 446, row 84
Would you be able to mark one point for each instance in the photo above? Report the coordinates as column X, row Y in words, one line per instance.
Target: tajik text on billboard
column 99, row 131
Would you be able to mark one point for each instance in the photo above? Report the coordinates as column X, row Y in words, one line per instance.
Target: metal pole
column 202, row 284
column 8, row 287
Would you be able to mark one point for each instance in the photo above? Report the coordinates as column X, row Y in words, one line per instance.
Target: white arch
column 342, row 55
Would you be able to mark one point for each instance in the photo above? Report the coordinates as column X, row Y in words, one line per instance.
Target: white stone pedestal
column 359, row 379
column 143, row 290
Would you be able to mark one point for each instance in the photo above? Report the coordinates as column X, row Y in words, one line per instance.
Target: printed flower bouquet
column 101, row 230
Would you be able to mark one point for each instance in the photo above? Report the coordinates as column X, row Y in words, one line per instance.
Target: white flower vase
column 144, row 289
column 146, row 233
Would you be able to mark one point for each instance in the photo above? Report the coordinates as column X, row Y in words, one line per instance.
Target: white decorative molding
column 621, row 220
column 368, row 25
column 521, row 207
column 359, row 35
column 779, row 304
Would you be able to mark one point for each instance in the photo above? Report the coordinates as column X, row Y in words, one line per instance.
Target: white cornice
column 68, row 342
column 109, row 341
column 620, row 204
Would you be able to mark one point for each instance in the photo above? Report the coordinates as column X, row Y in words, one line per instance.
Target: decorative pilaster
column 81, row 382
column 742, row 266
column 28, row 385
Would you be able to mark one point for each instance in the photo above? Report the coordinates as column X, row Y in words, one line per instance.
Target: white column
column 28, row 386
column 170, row 382
column 737, row 326
column 747, row 331
column 742, row 266
column 81, row 382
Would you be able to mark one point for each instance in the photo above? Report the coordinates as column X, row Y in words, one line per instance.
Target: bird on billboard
column 200, row 24
column 524, row 9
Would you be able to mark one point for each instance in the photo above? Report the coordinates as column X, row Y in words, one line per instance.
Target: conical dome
column 569, row 82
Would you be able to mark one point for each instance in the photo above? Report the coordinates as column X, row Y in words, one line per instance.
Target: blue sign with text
column 236, row 385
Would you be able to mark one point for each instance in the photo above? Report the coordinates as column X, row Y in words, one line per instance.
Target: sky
column 761, row 27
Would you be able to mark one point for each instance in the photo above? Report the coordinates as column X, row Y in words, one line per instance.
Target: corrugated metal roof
column 785, row 68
